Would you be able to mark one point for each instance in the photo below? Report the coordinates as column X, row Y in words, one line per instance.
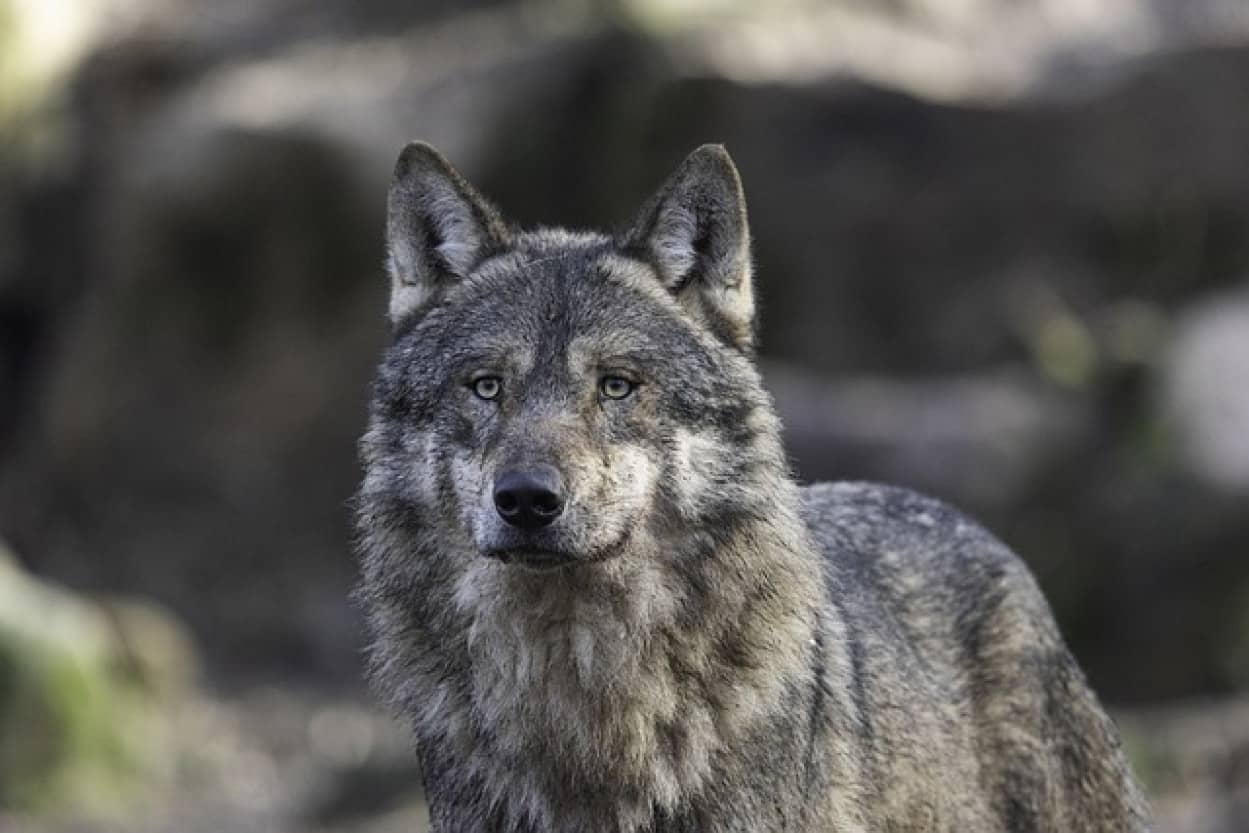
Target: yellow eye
column 615, row 387
column 487, row 387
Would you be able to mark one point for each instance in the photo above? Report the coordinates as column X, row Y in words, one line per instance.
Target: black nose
column 529, row 498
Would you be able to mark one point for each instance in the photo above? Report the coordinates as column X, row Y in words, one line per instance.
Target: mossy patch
column 84, row 717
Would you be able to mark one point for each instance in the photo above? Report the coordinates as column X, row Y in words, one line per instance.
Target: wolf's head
column 553, row 399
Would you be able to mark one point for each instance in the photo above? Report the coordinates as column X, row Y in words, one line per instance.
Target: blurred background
column 1002, row 244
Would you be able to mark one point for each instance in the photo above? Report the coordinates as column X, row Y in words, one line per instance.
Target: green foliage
column 80, row 732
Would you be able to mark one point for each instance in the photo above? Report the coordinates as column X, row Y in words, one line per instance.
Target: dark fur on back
column 696, row 644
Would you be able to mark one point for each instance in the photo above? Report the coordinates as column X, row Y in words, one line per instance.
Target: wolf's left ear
column 694, row 232
column 438, row 228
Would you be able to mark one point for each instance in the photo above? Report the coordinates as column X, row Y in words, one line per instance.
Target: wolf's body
column 657, row 629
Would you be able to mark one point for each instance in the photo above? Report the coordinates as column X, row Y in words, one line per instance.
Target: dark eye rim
column 629, row 387
column 475, row 383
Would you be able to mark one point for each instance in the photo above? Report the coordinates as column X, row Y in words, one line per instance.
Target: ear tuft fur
column 695, row 233
column 438, row 228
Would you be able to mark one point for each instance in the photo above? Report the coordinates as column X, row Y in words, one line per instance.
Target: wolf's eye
column 487, row 387
column 615, row 387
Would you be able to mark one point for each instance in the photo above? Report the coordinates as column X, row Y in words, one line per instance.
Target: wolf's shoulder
column 899, row 544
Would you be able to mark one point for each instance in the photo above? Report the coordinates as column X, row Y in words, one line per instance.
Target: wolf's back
column 966, row 691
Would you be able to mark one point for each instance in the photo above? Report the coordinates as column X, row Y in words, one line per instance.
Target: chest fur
column 605, row 704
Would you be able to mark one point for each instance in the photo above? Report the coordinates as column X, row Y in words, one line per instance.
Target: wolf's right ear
column 438, row 228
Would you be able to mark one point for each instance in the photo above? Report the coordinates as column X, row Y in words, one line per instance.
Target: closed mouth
column 538, row 559
column 533, row 559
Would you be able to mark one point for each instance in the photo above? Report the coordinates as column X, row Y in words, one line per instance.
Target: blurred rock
column 983, row 438
column 86, row 698
column 971, row 50
column 1205, row 389
column 1193, row 759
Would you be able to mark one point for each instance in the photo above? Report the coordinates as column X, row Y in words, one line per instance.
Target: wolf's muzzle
column 529, row 498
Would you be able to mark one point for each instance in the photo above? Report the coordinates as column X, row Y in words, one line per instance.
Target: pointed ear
column 438, row 228
column 694, row 233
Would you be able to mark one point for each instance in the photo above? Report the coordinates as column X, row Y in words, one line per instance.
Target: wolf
column 602, row 602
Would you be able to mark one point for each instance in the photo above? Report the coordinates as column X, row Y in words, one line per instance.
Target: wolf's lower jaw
column 541, row 561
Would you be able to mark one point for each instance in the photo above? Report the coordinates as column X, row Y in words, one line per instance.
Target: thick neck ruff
column 627, row 678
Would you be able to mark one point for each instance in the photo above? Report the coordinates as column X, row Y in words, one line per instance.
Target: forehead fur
column 552, row 306
column 554, row 283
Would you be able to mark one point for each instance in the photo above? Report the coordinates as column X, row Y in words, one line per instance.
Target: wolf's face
column 551, row 398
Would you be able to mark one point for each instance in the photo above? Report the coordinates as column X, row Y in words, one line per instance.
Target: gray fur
column 721, row 650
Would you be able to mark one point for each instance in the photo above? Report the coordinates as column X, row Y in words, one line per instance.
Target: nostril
column 506, row 502
column 547, row 503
